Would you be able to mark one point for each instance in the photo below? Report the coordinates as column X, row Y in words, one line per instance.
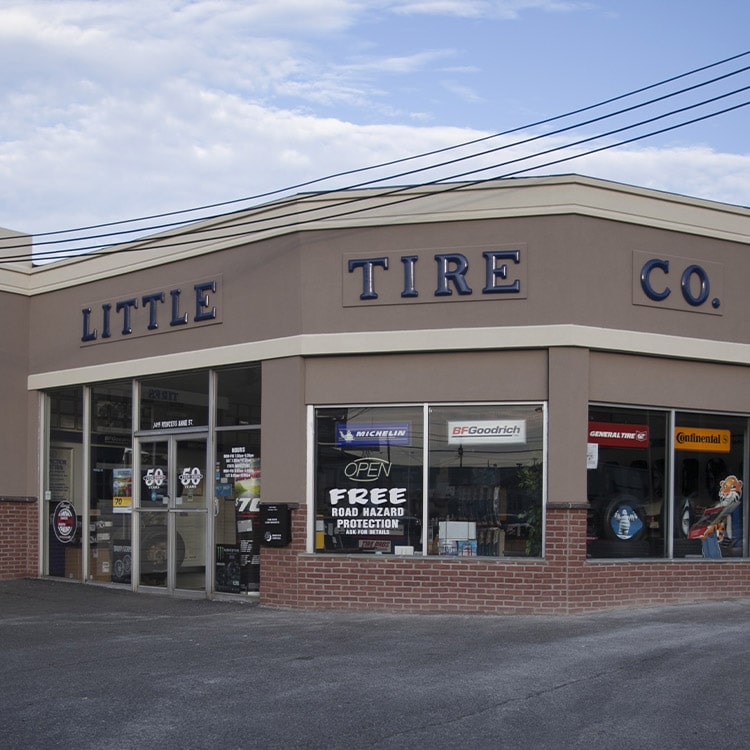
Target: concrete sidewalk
column 89, row 667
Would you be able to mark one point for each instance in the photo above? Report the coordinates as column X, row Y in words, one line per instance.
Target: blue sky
column 112, row 109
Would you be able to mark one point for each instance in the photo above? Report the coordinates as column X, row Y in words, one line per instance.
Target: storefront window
column 636, row 512
column 238, row 396
column 369, row 480
column 237, row 531
column 709, row 479
column 626, row 463
column 185, row 533
column 111, row 483
column 486, row 480
column 174, row 401
column 64, row 484
column 155, row 485
column 484, row 477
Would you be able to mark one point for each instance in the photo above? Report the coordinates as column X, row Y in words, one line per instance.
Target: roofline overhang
column 391, row 206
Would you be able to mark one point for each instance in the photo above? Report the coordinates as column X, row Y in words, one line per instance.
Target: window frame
column 314, row 524
column 671, row 466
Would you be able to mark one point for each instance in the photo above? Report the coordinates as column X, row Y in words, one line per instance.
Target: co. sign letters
column 677, row 283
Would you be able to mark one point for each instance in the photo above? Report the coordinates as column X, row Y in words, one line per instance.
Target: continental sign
column 702, row 439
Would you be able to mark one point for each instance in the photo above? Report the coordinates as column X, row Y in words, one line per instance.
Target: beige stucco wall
column 579, row 329
column 19, row 415
column 709, row 386
column 577, row 270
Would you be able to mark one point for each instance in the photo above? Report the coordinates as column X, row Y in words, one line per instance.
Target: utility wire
column 448, row 188
column 191, row 239
column 296, row 200
column 402, row 160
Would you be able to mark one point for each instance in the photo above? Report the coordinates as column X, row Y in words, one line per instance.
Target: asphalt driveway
column 88, row 667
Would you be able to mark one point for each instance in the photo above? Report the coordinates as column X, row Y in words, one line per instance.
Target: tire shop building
column 514, row 396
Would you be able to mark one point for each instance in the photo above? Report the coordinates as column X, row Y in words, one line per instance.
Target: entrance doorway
column 171, row 506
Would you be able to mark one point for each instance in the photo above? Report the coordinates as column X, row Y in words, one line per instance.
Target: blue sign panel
column 380, row 433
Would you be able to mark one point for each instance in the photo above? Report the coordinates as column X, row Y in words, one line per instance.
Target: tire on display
column 154, row 551
column 624, row 519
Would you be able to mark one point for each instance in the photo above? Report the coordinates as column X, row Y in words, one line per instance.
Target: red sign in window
column 619, row 435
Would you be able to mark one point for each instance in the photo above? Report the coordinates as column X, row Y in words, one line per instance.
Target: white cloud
column 694, row 171
column 209, row 147
column 498, row 9
column 402, row 64
column 464, row 93
column 227, row 44
column 111, row 109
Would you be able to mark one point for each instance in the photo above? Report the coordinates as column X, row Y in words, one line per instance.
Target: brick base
column 19, row 537
column 563, row 582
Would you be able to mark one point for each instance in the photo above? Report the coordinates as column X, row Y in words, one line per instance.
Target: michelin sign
column 381, row 433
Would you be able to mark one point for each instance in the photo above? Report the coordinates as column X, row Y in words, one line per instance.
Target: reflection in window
column 369, row 480
column 174, row 401
column 237, row 529
column 63, row 483
column 238, row 396
column 111, row 482
column 709, row 480
column 627, row 483
column 486, row 480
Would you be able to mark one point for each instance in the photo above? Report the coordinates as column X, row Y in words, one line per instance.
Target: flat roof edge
column 543, row 196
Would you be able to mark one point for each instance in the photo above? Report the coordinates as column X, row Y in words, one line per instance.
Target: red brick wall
column 564, row 582
column 19, row 538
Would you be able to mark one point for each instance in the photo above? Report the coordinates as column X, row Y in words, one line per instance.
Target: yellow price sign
column 122, row 504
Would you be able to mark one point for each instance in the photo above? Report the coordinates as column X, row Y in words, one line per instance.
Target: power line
column 192, row 236
column 360, row 170
column 297, row 201
column 430, row 167
column 191, row 239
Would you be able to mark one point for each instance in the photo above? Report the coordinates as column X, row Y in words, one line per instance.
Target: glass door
column 172, row 508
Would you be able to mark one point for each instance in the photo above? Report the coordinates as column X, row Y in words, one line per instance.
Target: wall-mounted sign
column 152, row 311
column 676, row 283
column 478, row 273
column 617, row 435
column 702, row 439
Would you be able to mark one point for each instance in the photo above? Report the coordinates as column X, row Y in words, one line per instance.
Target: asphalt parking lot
column 88, row 667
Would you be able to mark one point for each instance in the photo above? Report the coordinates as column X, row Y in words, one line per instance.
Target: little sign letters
column 145, row 313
